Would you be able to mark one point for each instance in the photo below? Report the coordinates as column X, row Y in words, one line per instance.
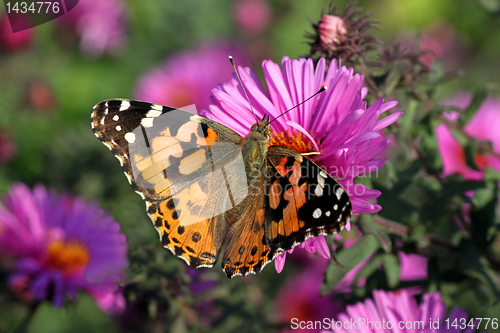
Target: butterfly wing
column 188, row 169
column 247, row 252
column 302, row 200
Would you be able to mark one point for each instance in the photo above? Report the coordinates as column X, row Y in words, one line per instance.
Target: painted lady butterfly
column 205, row 186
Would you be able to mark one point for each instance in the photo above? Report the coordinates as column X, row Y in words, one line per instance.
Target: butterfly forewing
column 303, row 201
column 188, row 169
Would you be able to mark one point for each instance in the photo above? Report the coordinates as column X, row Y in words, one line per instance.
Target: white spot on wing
column 118, row 128
column 323, row 174
column 157, row 108
column 124, row 106
column 318, row 191
column 328, row 213
column 107, row 145
column 321, row 180
column 317, row 213
column 153, row 113
column 335, row 207
column 339, row 192
column 130, row 137
column 147, row 122
column 116, row 117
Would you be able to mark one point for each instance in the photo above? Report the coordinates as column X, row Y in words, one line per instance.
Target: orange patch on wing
column 296, row 173
column 296, row 198
column 212, row 136
column 281, row 229
column 275, row 194
column 186, row 130
column 281, row 167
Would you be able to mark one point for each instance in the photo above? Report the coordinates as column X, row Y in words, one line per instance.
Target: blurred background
column 52, row 75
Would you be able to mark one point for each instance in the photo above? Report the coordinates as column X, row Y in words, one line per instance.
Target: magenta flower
column 61, row 245
column 337, row 123
column 252, row 16
column 100, row 25
column 483, row 126
column 441, row 38
column 299, row 298
column 188, row 77
column 11, row 41
column 332, row 31
column 398, row 311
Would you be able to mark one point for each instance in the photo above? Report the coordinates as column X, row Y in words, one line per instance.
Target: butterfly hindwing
column 187, row 168
column 302, row 200
column 247, row 251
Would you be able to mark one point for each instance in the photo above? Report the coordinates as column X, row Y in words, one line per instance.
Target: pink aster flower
column 252, row 16
column 483, row 126
column 332, row 31
column 442, row 40
column 299, row 298
column 188, row 77
column 337, row 123
column 100, row 25
column 61, row 245
column 390, row 309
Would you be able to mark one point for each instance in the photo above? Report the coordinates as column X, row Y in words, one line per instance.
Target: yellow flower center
column 298, row 142
column 70, row 258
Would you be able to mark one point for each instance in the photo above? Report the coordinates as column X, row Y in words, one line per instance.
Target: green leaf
column 478, row 97
column 349, row 258
column 368, row 226
column 392, row 268
column 491, row 175
column 392, row 80
column 475, row 264
column 484, row 215
column 370, row 267
column 492, row 6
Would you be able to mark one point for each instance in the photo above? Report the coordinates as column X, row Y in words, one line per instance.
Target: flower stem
column 23, row 327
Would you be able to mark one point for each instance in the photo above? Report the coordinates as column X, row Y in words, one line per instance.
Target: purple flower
column 188, row 77
column 390, row 309
column 299, row 298
column 61, row 245
column 482, row 126
column 100, row 25
column 252, row 16
column 337, row 123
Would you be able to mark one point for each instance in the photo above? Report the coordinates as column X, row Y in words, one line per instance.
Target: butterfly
column 206, row 187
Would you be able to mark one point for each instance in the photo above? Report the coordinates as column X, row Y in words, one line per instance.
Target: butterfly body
column 206, row 187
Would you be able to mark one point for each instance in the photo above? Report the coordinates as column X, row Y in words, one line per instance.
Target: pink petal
column 453, row 155
column 387, row 121
column 279, row 262
column 303, row 131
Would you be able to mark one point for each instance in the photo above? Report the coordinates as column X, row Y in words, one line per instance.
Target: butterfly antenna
column 318, row 92
column 241, row 83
